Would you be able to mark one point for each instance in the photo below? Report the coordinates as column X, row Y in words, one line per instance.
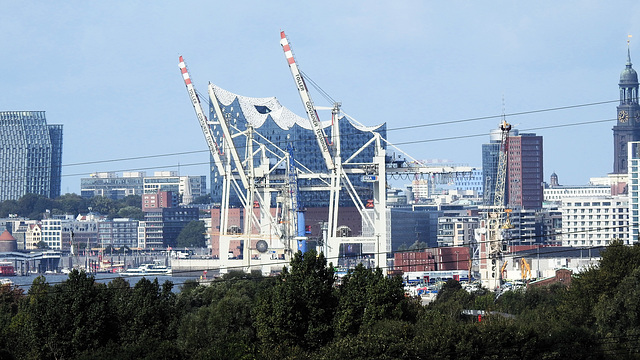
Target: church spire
column 628, row 52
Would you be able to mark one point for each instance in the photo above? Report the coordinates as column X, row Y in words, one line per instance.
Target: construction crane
column 310, row 109
column 495, row 220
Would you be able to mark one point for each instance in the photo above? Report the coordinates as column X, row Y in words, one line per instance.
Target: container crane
column 310, row 109
column 374, row 172
column 298, row 219
column 202, row 118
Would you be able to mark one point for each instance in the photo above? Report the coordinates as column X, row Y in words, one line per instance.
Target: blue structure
column 30, row 155
column 283, row 128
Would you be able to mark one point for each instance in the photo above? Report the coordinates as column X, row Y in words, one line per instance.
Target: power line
column 506, row 115
column 342, row 136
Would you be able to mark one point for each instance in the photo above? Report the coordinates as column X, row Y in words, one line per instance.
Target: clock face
column 623, row 116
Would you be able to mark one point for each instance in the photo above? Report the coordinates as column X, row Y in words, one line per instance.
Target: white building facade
column 595, row 221
column 560, row 193
column 633, row 167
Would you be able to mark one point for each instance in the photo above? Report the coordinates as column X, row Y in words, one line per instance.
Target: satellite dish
column 262, row 246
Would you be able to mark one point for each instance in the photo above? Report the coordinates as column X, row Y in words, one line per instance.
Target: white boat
column 148, row 270
column 6, row 281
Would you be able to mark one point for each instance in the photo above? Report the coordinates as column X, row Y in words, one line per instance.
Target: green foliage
column 418, row 245
column 42, row 245
column 594, row 284
column 366, row 297
column 298, row 310
column 131, row 212
column 618, row 316
column 35, row 206
column 192, row 235
column 303, row 314
column 386, row 339
column 202, row 199
column 71, row 204
column 448, row 290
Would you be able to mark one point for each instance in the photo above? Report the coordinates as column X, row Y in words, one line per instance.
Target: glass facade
column 115, row 188
column 30, row 155
column 305, row 151
column 489, row 171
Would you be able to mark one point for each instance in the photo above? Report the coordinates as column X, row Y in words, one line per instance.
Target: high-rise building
column 30, row 155
column 628, row 126
column 524, row 188
column 525, row 172
column 490, row 155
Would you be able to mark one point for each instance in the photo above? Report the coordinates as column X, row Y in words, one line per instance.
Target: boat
column 148, row 270
column 6, row 282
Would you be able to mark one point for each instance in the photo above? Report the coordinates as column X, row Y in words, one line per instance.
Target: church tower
column 628, row 126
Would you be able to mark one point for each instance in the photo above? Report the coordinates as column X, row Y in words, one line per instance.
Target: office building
column 525, row 172
column 595, row 221
column 113, row 186
column 524, row 177
column 490, row 155
column 118, row 232
column 163, row 221
column 456, row 230
column 30, row 155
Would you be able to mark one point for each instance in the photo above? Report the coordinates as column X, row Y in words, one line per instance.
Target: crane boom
column 204, row 124
column 316, row 126
column 498, row 200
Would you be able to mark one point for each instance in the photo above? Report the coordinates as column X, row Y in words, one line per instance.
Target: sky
column 108, row 71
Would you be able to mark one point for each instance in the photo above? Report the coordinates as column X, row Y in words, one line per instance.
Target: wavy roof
column 256, row 110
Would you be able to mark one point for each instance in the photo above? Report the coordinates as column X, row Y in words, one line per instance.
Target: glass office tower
column 30, row 155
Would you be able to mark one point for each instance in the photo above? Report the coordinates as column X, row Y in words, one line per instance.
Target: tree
column 297, row 312
column 102, row 205
column 366, row 297
column 71, row 204
column 418, row 245
column 62, row 321
column 132, row 200
column 192, row 235
column 617, row 261
column 9, row 207
column 202, row 199
column 618, row 316
column 42, row 245
column 131, row 212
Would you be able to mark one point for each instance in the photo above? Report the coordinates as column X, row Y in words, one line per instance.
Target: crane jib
column 300, row 81
column 202, row 119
